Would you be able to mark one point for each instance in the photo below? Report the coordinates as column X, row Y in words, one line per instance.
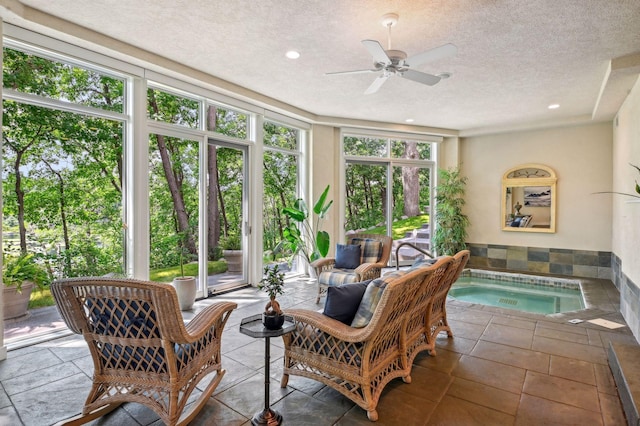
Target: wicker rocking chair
column 141, row 349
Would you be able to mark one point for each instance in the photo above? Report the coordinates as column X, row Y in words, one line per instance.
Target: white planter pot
column 186, row 288
column 234, row 260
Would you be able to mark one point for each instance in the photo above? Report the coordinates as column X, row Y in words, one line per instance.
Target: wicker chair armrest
column 215, row 315
column 304, row 318
column 368, row 271
column 323, row 264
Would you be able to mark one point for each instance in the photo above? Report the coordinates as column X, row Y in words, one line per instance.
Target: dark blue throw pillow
column 343, row 300
column 348, row 256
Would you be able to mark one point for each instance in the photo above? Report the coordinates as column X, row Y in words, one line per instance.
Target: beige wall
column 626, row 215
column 580, row 156
column 325, row 166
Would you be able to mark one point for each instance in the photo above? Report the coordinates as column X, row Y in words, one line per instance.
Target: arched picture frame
column 529, row 199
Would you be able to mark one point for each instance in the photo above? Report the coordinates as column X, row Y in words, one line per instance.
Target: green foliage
column 230, row 242
column 299, row 236
column 273, row 281
column 63, row 170
column 451, row 224
column 17, row 270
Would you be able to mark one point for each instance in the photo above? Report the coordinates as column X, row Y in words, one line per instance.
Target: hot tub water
column 542, row 295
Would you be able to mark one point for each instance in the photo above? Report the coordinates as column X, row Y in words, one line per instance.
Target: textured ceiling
column 514, row 57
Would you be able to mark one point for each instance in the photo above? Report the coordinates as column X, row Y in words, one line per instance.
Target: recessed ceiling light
column 554, row 106
column 409, row 120
column 292, row 54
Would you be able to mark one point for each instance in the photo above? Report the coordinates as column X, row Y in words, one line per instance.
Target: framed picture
column 537, row 196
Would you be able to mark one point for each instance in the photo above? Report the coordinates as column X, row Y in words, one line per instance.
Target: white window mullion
column 137, row 194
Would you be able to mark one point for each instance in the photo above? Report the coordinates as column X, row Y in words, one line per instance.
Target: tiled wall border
column 629, row 296
column 577, row 263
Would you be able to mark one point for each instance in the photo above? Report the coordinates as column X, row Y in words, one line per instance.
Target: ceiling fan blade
column 377, row 51
column 350, row 72
column 377, row 83
column 431, row 55
column 421, row 77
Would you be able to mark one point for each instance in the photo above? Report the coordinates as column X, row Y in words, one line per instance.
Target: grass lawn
column 401, row 227
column 166, row 275
column 42, row 298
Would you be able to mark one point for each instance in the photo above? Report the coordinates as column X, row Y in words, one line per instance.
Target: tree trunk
column 213, row 209
column 20, row 201
column 411, row 181
column 63, row 217
column 182, row 218
column 223, row 213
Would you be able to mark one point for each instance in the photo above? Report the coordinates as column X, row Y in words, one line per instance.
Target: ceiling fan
column 395, row 62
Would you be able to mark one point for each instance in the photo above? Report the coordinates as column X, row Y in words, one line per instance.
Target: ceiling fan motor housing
column 397, row 58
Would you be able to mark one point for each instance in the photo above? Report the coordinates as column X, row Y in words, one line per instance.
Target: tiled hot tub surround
column 523, row 279
column 578, row 263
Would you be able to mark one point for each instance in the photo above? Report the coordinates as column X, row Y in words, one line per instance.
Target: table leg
column 267, row 417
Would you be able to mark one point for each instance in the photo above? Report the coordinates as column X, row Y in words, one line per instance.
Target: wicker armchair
column 328, row 275
column 357, row 362
column 142, row 351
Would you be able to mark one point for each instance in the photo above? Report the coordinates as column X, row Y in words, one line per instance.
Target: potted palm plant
column 300, row 237
column 451, row 224
column 20, row 274
column 272, row 283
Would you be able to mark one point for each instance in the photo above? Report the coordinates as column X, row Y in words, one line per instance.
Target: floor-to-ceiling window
column 388, row 189
column 62, row 179
column 281, row 166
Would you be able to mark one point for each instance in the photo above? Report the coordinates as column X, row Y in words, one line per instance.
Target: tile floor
column 503, row 367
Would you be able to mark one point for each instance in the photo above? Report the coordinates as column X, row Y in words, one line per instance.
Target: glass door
column 411, row 212
column 226, row 204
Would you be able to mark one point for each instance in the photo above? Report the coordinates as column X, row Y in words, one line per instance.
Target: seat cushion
column 371, row 249
column 370, row 299
column 337, row 277
column 347, row 256
column 343, row 300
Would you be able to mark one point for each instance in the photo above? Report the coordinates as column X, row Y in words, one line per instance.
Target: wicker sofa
column 359, row 362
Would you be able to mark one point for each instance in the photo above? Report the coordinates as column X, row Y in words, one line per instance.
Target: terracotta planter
column 234, row 260
column 16, row 304
column 186, row 288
